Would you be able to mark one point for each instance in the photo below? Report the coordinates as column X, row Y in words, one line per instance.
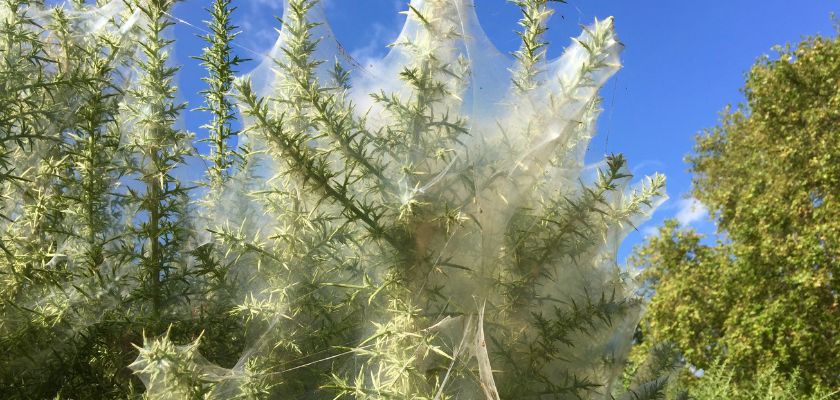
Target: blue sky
column 683, row 62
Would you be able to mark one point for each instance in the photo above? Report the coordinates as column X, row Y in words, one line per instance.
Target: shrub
column 427, row 232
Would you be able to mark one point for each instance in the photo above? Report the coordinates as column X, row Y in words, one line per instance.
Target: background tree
column 766, row 294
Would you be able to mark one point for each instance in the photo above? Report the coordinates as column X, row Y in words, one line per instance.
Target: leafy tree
column 766, row 294
column 768, row 384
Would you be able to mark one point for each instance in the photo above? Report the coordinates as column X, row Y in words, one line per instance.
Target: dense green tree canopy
column 766, row 293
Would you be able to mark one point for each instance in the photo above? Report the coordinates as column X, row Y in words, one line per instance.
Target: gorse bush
column 421, row 228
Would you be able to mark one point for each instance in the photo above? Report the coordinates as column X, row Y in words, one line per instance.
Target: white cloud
column 650, row 231
column 690, row 210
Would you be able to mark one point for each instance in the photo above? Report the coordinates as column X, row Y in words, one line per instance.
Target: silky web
column 519, row 149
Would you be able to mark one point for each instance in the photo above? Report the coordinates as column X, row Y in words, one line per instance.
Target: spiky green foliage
column 531, row 54
column 220, row 62
column 180, row 284
column 24, row 98
column 26, row 106
column 157, row 148
column 58, row 280
column 657, row 376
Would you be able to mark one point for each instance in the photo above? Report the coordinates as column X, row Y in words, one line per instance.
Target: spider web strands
column 431, row 80
column 342, row 51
